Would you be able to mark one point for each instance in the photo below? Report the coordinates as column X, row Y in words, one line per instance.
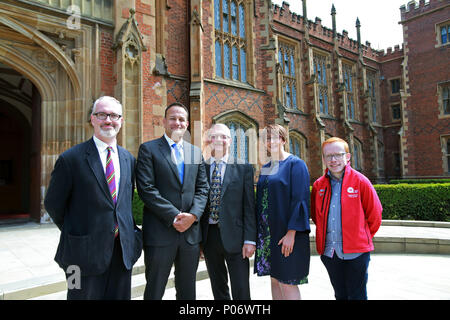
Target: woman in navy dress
column 282, row 249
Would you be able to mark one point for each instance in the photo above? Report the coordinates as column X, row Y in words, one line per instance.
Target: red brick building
column 246, row 63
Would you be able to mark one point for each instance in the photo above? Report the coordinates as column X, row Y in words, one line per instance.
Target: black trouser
column 238, row 268
column 348, row 277
column 158, row 263
column 113, row 284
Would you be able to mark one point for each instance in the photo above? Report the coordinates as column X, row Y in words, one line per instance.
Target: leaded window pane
column 217, row 15
column 444, row 34
column 288, row 96
column 294, row 97
column 226, row 60
column 235, row 63
column 243, row 66
column 218, row 59
column 233, row 18
column 225, row 13
column 292, row 66
column 241, row 21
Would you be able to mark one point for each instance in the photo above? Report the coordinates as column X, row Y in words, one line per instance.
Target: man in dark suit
column 229, row 222
column 172, row 183
column 90, row 199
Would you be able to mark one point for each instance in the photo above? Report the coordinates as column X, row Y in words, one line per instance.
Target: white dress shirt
column 102, row 149
column 179, row 147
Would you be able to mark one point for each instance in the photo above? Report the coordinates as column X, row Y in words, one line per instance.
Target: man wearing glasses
column 229, row 221
column 90, row 199
column 347, row 213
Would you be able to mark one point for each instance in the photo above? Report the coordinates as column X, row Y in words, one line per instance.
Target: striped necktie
column 110, row 178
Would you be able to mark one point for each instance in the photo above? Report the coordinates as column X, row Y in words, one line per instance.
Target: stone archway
column 51, row 61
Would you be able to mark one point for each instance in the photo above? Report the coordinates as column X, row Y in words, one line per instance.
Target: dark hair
column 176, row 104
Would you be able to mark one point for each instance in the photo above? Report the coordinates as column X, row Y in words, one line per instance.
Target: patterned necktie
column 110, row 178
column 215, row 191
column 180, row 162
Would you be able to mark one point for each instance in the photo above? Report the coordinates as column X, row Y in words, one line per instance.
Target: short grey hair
column 107, row 98
column 224, row 126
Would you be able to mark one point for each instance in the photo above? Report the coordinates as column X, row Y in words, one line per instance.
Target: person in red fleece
column 347, row 213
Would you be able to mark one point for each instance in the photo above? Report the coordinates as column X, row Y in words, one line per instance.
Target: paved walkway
column 27, row 252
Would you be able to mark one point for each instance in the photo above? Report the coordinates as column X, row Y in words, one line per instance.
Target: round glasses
column 103, row 116
column 336, row 156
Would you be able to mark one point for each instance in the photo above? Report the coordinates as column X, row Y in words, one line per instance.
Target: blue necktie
column 180, row 162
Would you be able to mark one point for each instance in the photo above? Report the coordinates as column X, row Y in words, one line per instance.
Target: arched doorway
column 20, row 116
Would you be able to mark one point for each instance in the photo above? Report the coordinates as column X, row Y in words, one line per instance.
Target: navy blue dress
column 283, row 204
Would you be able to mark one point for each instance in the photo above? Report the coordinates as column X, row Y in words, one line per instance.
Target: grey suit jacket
column 237, row 219
column 80, row 204
column 164, row 197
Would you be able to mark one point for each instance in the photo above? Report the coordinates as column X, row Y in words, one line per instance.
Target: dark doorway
column 20, row 114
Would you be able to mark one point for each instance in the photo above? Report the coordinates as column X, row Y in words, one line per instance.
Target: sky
column 379, row 19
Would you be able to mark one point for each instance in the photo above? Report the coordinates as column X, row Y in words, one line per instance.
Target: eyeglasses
column 218, row 136
column 336, row 156
column 103, row 116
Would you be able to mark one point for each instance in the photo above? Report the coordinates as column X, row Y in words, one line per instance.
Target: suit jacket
column 164, row 197
column 237, row 219
column 80, row 203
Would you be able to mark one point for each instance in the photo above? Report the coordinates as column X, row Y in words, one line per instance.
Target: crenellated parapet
column 391, row 54
column 415, row 8
column 282, row 14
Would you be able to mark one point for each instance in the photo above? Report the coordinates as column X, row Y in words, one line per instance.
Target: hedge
column 428, row 202
column 420, row 181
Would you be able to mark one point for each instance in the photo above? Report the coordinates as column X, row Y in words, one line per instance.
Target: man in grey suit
column 229, row 221
column 90, row 199
column 172, row 183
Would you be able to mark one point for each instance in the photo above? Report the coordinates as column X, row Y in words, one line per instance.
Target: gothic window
column 396, row 112
column 357, row 155
column 445, row 34
column 448, row 155
column 444, row 99
column 230, row 40
column 320, row 70
column 297, row 144
column 349, row 91
column 445, row 141
column 239, row 141
column 395, row 86
column 286, row 58
column 244, row 140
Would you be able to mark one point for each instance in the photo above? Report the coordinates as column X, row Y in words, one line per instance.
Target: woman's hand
column 287, row 243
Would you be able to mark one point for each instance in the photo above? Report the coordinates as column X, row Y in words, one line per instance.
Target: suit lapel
column 167, row 153
column 93, row 159
column 208, row 170
column 124, row 172
column 229, row 174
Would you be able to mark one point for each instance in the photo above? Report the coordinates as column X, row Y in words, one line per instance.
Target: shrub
column 429, row 202
column 138, row 207
column 421, row 181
